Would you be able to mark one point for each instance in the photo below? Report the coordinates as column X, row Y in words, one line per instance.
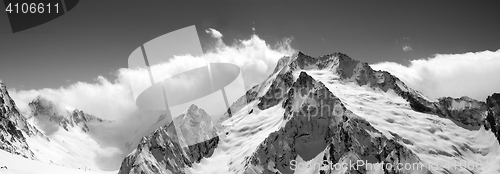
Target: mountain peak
column 194, row 114
column 335, row 61
column 12, row 123
column 43, row 108
column 350, row 70
column 3, row 90
column 7, row 104
column 193, row 107
column 300, row 53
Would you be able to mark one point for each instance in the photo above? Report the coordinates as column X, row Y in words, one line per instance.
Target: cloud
column 105, row 99
column 112, row 99
column 407, row 48
column 214, row 33
column 473, row 74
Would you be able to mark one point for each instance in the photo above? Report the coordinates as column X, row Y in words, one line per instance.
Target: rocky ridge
column 43, row 109
column 317, row 121
column 467, row 112
column 493, row 118
column 172, row 147
column 14, row 127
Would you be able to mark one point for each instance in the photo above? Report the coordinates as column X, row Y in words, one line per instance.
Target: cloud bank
column 473, row 74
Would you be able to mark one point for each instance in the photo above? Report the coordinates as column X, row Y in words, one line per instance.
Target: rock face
column 466, row 112
column 14, row 127
column 169, row 149
column 51, row 118
column 319, row 123
column 493, row 118
column 194, row 126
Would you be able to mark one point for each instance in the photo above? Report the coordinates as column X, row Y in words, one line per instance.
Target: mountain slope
column 194, row 126
column 13, row 127
column 48, row 136
column 18, row 165
column 172, row 147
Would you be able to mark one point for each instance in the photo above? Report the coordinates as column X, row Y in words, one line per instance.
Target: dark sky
column 96, row 37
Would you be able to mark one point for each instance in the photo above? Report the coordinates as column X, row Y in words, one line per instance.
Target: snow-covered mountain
column 174, row 146
column 46, row 113
column 327, row 114
column 194, row 126
column 334, row 114
column 14, row 128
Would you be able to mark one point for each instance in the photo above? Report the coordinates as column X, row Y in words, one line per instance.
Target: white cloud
column 407, row 48
column 113, row 99
column 254, row 56
column 214, row 33
column 473, row 74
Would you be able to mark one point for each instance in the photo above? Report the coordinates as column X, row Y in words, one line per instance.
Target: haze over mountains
column 308, row 111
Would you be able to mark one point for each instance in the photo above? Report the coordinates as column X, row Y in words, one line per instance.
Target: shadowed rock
column 319, row 122
column 12, row 126
column 493, row 118
column 50, row 118
column 470, row 116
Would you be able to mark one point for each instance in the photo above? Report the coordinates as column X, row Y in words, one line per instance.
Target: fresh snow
column 245, row 133
column 437, row 141
column 73, row 148
column 18, row 165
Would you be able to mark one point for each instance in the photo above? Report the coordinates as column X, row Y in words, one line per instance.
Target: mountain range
column 327, row 114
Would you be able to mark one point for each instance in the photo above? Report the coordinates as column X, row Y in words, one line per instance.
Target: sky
column 96, row 37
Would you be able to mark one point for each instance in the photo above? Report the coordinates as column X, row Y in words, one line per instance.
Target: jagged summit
column 189, row 138
column 493, row 118
column 464, row 111
column 197, row 113
column 303, row 61
column 6, row 102
column 193, row 107
column 47, row 112
column 13, row 127
column 194, row 126
column 319, row 127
